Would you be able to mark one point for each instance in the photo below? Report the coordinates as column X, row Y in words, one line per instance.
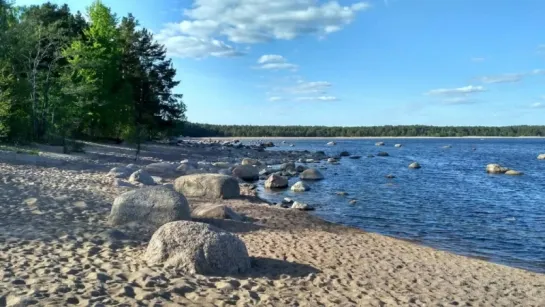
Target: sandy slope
column 56, row 249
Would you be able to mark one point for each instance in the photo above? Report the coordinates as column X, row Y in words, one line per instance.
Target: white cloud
column 477, row 59
column 314, row 87
column 318, row 98
column 193, row 47
column 275, row 98
column 275, row 62
column 470, row 89
column 505, row 78
column 538, row 105
column 256, row 21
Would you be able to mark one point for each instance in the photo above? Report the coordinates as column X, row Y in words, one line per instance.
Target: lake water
column 451, row 203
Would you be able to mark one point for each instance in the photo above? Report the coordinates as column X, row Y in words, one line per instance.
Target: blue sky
column 350, row 62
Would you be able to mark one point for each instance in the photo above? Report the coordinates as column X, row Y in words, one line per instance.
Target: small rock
column 344, row 154
column 311, row 174
column 398, row 145
column 496, row 169
column 414, row 165
column 300, row 187
column 513, row 172
column 331, row 144
column 141, row 177
column 341, row 193
column 383, row 154
column 541, row 157
column 354, row 157
column 276, row 182
column 287, row 201
column 301, row 206
column 353, row 202
column 390, row 176
column 379, row 144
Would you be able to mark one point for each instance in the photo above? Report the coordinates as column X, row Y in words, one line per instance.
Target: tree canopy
column 207, row 130
column 64, row 77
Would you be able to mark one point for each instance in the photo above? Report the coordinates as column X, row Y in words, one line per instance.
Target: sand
column 57, row 249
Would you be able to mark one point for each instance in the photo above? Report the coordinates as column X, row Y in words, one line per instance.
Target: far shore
column 360, row 137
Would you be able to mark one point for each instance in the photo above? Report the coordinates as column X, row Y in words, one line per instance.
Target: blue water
column 451, row 203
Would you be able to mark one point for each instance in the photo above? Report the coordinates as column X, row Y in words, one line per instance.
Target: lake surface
column 451, row 203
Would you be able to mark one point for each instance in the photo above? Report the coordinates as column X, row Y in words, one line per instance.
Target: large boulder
column 163, row 169
column 300, row 187
column 208, row 186
column 215, row 211
column 276, row 182
column 150, row 206
column 246, row 172
column 120, row 172
column 541, row 157
column 250, row 161
column 311, row 174
column 142, row 177
column 197, row 248
column 496, row 169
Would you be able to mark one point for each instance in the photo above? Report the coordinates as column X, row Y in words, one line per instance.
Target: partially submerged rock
column 513, row 172
column 215, row 211
column 379, row 144
column 331, row 144
column 142, row 177
column 150, row 206
column 311, row 174
column 541, row 157
column 300, row 187
column 301, row 206
column 208, row 186
column 246, row 172
column 276, row 182
column 197, row 248
column 398, row 145
column 414, row 165
column 344, row 154
column 496, row 169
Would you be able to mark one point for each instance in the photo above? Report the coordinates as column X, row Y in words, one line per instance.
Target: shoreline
column 60, row 210
column 362, row 137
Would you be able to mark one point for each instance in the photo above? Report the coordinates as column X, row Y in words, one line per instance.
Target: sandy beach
column 58, row 249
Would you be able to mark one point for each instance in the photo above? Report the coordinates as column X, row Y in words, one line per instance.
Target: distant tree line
column 63, row 77
column 207, row 130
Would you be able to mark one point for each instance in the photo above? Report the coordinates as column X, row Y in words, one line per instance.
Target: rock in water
column 496, row 169
column 344, row 154
column 301, row 206
column 331, row 144
column 512, row 172
column 311, row 174
column 541, row 157
column 246, row 172
column 215, row 211
column 354, row 157
column 414, row 165
column 332, row 160
column 153, row 206
column 197, row 248
column 162, row 169
column 300, row 187
column 250, row 161
column 276, row 182
column 141, row 177
column 290, row 166
column 379, row 144
column 383, row 154
column 120, row 172
column 398, row 145
column 209, row 186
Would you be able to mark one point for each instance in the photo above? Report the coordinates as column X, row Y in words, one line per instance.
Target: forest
column 206, row 130
column 66, row 77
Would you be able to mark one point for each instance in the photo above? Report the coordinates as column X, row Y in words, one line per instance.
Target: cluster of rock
column 498, row 169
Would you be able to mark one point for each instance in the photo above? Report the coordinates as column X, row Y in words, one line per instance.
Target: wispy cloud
column 470, row 89
column 275, row 62
column 537, row 105
column 275, row 98
column 458, row 101
column 505, row 78
column 317, row 98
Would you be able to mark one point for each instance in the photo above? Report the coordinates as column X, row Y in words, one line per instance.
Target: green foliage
column 63, row 78
column 206, row 130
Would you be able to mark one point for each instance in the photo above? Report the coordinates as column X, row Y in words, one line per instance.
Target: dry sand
column 56, row 249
